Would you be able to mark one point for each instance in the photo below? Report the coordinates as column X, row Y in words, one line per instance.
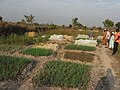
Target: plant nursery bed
column 80, row 56
column 37, row 52
column 11, row 67
column 63, row 74
column 80, row 47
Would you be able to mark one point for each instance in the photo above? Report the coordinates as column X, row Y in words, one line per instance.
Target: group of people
column 111, row 40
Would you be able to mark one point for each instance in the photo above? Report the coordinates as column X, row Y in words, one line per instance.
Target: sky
column 61, row 12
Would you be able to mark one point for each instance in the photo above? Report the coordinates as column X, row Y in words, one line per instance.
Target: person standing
column 111, row 42
column 91, row 34
column 104, row 38
column 107, row 37
column 116, row 41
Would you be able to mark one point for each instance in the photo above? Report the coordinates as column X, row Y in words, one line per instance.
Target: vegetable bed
column 80, row 47
column 10, row 67
column 82, row 56
column 38, row 51
column 63, row 74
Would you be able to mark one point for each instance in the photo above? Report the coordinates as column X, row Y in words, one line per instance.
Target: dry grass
column 72, row 32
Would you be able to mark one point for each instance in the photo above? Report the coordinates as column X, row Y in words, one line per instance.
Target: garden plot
column 63, row 74
column 37, row 51
column 79, row 56
column 10, row 67
column 51, row 46
column 92, row 43
column 80, row 47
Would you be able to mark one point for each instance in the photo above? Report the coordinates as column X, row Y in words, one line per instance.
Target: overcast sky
column 89, row 12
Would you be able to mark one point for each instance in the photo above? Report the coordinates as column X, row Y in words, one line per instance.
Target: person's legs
column 115, row 48
column 107, row 43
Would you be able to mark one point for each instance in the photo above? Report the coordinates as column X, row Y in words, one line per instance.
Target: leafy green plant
column 10, row 67
column 37, row 51
column 64, row 74
column 80, row 47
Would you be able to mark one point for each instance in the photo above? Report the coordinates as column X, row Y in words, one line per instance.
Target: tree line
column 24, row 26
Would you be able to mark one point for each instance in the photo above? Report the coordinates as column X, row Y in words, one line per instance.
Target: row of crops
column 54, row 73
column 63, row 74
column 37, row 51
column 10, row 67
column 80, row 47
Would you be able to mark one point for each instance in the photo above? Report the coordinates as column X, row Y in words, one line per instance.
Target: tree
column 70, row 26
column 29, row 19
column 1, row 18
column 75, row 22
column 117, row 25
column 108, row 23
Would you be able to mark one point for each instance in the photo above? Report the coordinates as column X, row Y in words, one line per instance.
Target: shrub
column 37, row 51
column 80, row 47
column 10, row 67
column 63, row 74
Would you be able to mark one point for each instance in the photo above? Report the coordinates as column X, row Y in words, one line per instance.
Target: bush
column 63, row 74
column 80, row 47
column 37, row 51
column 10, row 67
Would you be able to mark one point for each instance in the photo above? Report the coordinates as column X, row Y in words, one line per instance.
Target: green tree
column 70, row 26
column 108, row 23
column 117, row 25
column 75, row 22
column 29, row 19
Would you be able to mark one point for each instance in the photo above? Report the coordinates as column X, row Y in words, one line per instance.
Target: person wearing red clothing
column 116, row 41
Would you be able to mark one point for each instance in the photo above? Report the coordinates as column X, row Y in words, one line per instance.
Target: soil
column 103, row 61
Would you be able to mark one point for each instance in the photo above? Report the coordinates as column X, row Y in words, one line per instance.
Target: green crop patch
column 63, row 74
column 10, row 67
column 38, row 51
column 80, row 47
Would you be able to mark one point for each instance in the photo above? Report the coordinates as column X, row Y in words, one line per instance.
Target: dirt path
column 108, row 71
column 105, row 60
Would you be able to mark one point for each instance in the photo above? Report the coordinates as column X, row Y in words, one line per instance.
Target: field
column 80, row 47
column 71, row 67
column 10, row 67
column 63, row 74
column 82, row 56
column 37, row 52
